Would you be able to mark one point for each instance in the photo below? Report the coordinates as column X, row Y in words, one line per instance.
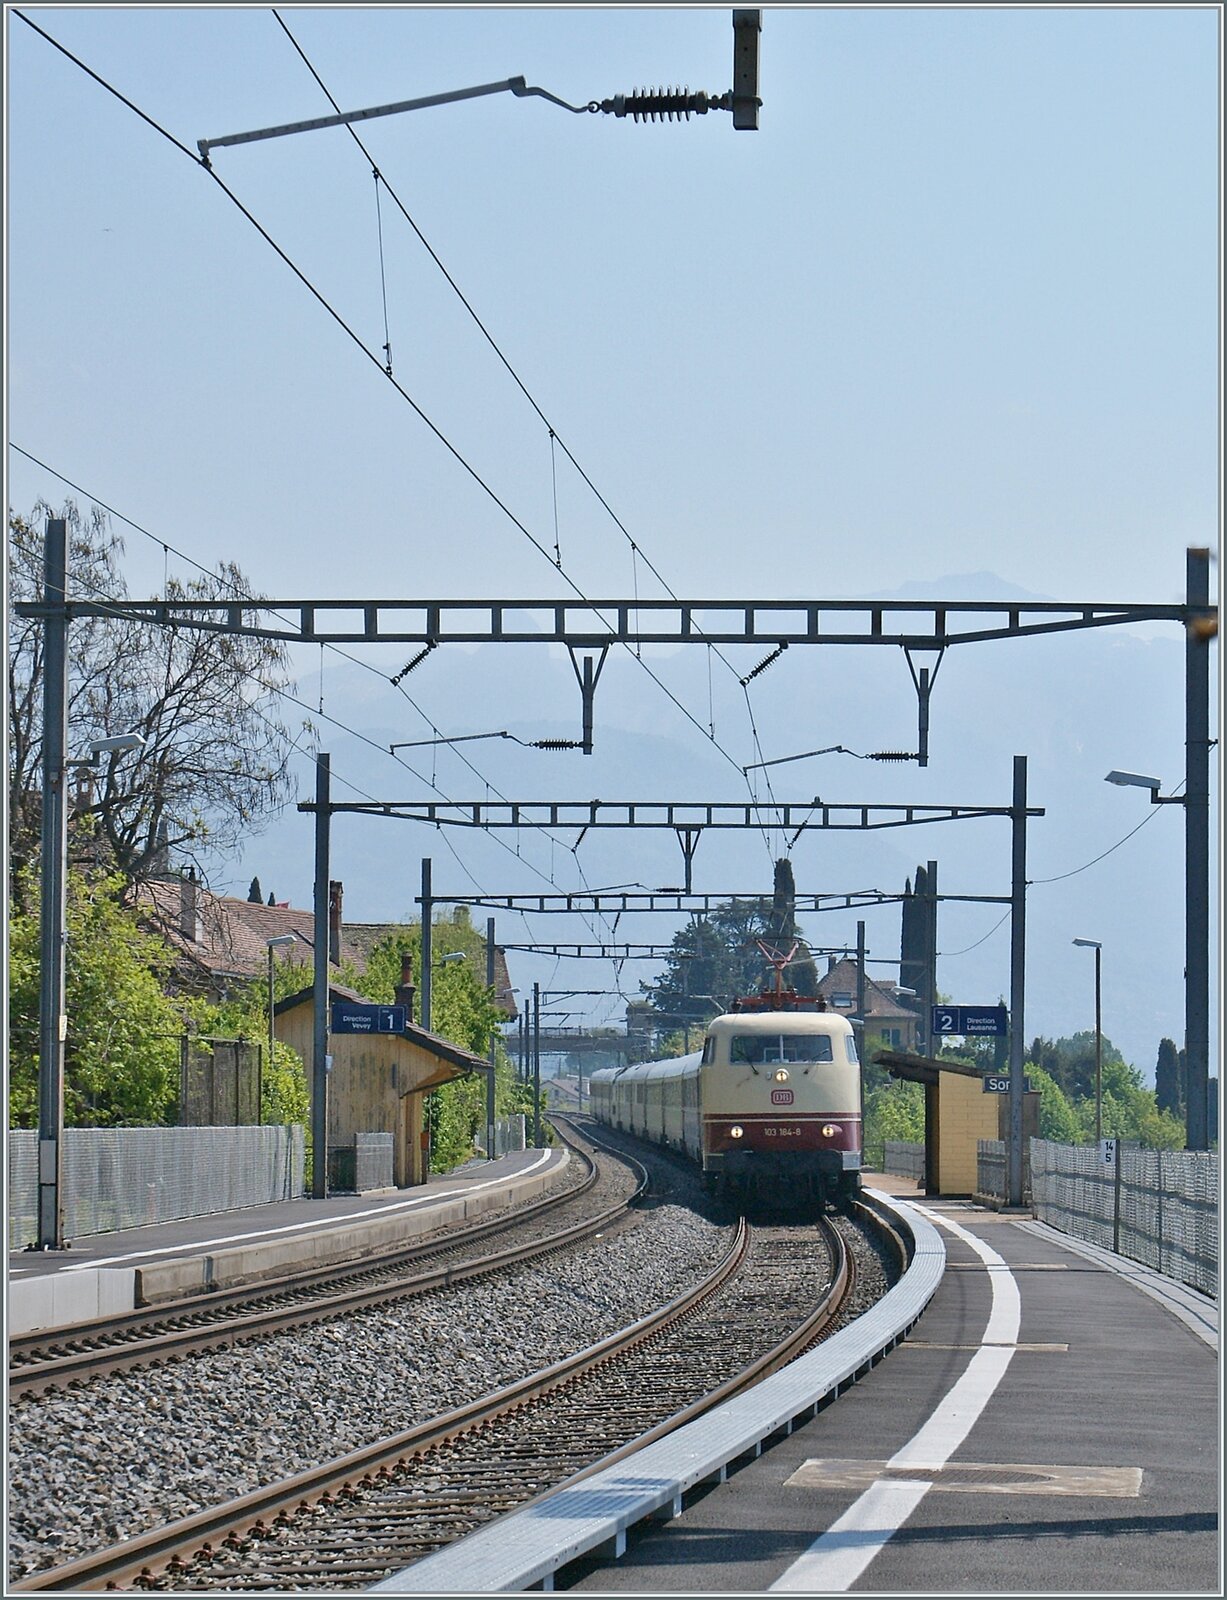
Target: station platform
column 1047, row 1422
column 103, row 1274
column 1045, row 1428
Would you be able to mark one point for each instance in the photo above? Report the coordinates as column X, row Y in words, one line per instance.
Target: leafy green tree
column 716, row 959
column 1058, row 1119
column 894, row 1110
column 1071, row 1061
column 121, row 1053
column 284, row 1094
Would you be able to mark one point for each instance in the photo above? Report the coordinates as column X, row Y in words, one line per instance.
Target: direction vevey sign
column 974, row 1022
column 350, row 1017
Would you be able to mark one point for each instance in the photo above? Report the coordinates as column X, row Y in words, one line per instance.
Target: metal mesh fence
column 127, row 1177
column 509, row 1134
column 904, row 1160
column 992, row 1170
column 1159, row 1207
column 372, row 1161
column 219, row 1082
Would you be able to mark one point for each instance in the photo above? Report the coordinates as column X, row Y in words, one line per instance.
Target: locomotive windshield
column 757, row 1048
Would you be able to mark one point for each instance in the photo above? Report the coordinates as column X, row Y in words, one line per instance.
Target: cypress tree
column 782, row 930
column 1167, row 1078
column 254, row 897
column 912, row 938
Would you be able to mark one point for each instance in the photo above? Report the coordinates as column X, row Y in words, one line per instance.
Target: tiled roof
column 230, row 936
column 880, row 1001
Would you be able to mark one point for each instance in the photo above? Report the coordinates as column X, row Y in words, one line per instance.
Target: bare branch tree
column 216, row 752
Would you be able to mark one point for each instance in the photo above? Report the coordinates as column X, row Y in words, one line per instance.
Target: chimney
column 159, row 860
column 335, row 891
column 830, row 964
column 189, row 906
column 405, row 991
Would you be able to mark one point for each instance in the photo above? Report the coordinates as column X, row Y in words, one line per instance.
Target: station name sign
column 350, row 1017
column 970, row 1022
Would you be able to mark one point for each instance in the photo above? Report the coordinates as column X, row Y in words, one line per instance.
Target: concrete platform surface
column 106, row 1273
column 1044, row 1428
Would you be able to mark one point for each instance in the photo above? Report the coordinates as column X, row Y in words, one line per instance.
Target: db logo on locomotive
column 781, row 1097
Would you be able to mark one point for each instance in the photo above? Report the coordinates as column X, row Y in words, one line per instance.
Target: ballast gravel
column 117, row 1456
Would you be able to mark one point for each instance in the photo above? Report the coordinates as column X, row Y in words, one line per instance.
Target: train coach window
column 757, row 1049
column 850, row 1049
column 709, row 1051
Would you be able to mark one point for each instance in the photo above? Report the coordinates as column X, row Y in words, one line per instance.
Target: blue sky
column 952, row 310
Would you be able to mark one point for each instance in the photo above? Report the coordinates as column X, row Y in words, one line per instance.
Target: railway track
column 348, row 1522
column 42, row 1362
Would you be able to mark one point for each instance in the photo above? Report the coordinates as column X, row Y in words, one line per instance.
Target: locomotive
column 770, row 1108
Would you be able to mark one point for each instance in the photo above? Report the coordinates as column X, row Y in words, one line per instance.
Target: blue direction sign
column 350, row 1017
column 970, row 1021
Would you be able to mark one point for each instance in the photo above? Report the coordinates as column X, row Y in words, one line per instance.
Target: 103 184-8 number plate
column 782, row 1132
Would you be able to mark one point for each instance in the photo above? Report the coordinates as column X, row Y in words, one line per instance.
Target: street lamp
column 116, row 744
column 1094, row 944
column 52, row 1019
column 1139, row 780
column 281, row 942
column 1196, row 803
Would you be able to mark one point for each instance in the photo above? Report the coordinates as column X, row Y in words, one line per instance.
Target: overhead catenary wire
column 371, row 356
column 246, row 595
column 285, row 693
column 383, row 280
column 452, row 449
column 636, row 551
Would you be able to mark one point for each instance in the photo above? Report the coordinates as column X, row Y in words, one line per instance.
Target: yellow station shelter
column 379, row 1081
column 958, row 1114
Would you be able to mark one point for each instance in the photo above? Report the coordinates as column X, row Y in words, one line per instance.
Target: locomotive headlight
column 736, row 1131
column 781, row 1075
column 829, row 1130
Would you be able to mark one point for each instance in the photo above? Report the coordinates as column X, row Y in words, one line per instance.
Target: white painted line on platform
column 838, row 1557
column 299, row 1227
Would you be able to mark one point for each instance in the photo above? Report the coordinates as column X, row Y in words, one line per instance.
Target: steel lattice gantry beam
column 640, row 952
column 688, row 820
column 676, row 902
column 590, row 624
column 680, row 815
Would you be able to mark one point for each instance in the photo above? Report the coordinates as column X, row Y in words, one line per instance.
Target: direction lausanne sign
column 349, row 1017
column 970, row 1021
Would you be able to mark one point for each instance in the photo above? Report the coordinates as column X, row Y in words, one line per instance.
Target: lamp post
column 1094, row 944
column 53, row 1022
column 1196, row 926
column 281, row 942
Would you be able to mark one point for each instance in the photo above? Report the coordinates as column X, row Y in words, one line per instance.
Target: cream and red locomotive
column 771, row 1106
